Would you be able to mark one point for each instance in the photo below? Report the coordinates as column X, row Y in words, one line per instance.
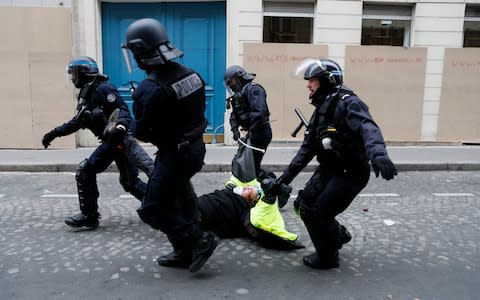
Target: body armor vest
column 89, row 114
column 185, row 90
column 329, row 121
column 241, row 107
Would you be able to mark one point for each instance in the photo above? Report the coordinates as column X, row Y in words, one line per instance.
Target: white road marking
column 379, row 195
column 368, row 195
column 59, row 196
column 453, row 194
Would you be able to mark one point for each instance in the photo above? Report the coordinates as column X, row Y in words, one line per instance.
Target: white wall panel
column 347, row 36
column 434, row 67
column 339, row 7
column 444, row 39
column 429, row 127
column 433, row 80
column 338, row 21
column 432, row 94
column 431, row 107
column 439, row 24
column 250, row 34
column 436, row 52
column 439, row 9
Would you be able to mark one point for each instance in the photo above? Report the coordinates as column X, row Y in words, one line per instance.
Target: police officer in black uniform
column 99, row 101
column 249, row 111
column 344, row 137
column 169, row 107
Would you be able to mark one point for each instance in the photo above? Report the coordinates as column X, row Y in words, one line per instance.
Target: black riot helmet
column 240, row 76
column 327, row 72
column 83, row 70
column 149, row 43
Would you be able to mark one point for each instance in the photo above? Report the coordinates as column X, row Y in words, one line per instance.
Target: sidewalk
column 278, row 156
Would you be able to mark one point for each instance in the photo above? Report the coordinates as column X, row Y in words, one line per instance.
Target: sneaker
column 81, row 220
column 203, row 250
column 324, row 263
column 174, row 260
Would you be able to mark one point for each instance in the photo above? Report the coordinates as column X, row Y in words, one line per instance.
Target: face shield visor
column 67, row 78
column 307, row 68
column 128, row 57
column 71, row 76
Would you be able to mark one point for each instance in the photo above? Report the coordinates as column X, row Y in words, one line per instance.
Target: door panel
column 198, row 29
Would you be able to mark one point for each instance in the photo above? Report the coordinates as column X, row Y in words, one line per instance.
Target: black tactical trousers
column 327, row 194
column 169, row 204
column 128, row 157
column 260, row 139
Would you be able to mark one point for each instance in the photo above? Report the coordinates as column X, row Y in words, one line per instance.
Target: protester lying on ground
column 243, row 209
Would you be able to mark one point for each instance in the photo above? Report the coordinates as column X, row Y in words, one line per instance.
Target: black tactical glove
column 236, row 134
column 48, row 138
column 384, row 166
column 116, row 135
column 284, row 192
column 270, row 188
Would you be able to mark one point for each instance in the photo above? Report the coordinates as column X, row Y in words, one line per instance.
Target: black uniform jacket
column 94, row 110
column 169, row 106
column 357, row 140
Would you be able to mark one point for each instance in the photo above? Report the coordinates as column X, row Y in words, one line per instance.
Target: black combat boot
column 175, row 259
column 324, row 262
column 202, row 250
column 81, row 220
column 344, row 237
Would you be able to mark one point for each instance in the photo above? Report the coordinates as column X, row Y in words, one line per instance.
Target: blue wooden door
column 198, row 29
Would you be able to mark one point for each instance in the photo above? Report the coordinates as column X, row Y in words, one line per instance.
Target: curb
column 210, row 168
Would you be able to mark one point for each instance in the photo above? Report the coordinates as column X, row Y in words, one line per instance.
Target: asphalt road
column 416, row 237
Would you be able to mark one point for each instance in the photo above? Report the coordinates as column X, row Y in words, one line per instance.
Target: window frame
column 272, row 11
column 472, row 14
column 387, row 12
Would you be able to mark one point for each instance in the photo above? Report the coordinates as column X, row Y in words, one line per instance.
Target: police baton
column 303, row 122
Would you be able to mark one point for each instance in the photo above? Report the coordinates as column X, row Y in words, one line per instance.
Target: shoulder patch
column 187, row 85
column 111, row 97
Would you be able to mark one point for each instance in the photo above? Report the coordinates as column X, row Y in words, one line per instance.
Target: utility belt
column 185, row 142
column 192, row 136
column 180, row 143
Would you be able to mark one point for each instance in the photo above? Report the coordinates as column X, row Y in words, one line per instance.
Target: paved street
column 413, row 238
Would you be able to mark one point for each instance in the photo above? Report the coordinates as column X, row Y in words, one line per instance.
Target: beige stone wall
column 36, row 46
column 459, row 119
column 390, row 80
column 273, row 64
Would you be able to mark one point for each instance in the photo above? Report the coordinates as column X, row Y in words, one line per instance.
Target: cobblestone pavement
column 413, row 238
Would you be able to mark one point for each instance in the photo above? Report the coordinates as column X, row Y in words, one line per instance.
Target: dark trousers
column 128, row 158
column 327, row 194
column 169, row 204
column 261, row 140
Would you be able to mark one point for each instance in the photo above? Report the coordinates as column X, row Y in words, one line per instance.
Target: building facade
column 415, row 63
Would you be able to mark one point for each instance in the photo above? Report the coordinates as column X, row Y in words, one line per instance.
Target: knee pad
column 82, row 173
